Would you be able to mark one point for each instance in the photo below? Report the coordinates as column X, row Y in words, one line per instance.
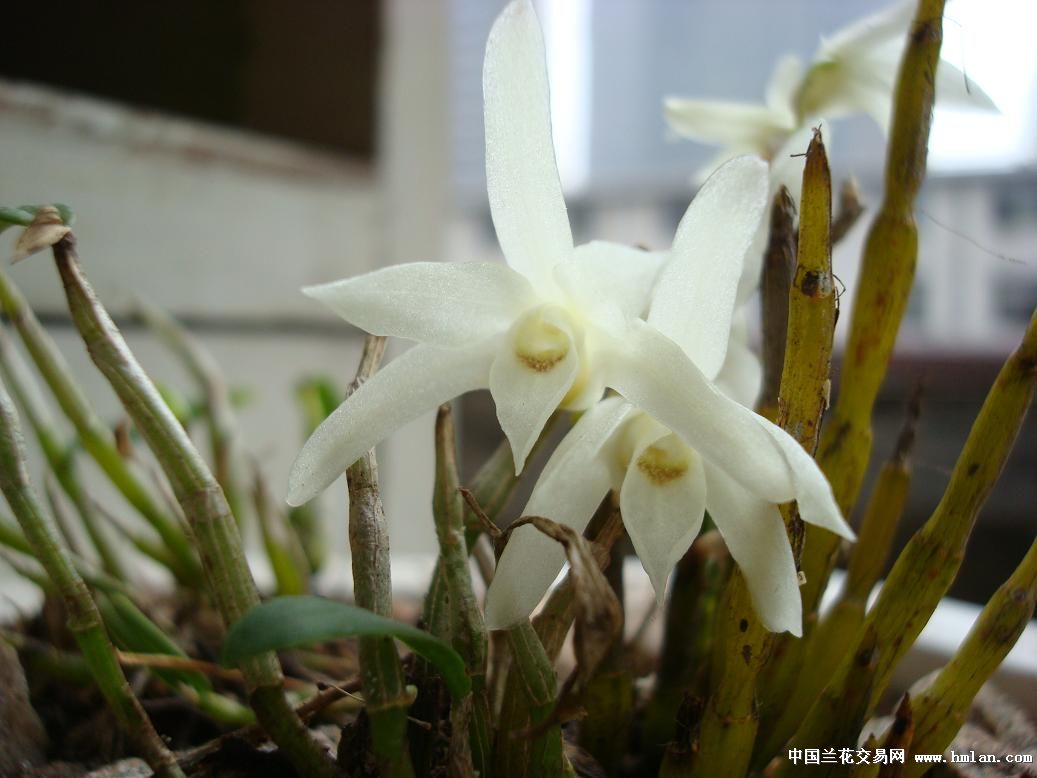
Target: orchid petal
column 865, row 35
column 741, row 377
column 874, row 101
column 653, row 373
column 716, row 160
column 755, row 535
column 530, row 376
column 663, row 505
column 521, row 172
column 695, row 296
column 609, row 280
column 814, row 495
column 845, row 83
column 413, row 383
column 955, row 90
column 752, row 268
column 740, row 126
column 442, row 303
column 781, row 89
column 574, row 482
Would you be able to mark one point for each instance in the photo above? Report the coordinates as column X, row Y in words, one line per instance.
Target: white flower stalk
column 530, row 331
column 680, row 440
column 853, row 71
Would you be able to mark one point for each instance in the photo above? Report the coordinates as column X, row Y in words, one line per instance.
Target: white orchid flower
column 680, row 440
column 530, row 330
column 853, row 71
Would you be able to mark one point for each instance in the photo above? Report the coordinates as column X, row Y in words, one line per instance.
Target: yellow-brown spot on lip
column 540, row 345
column 660, row 466
column 540, row 363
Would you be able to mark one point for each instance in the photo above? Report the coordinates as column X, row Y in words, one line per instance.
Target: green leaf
column 132, row 630
column 287, row 622
column 14, row 217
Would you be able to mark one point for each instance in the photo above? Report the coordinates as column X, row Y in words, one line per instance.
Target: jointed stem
column 84, row 620
column 381, row 671
column 203, row 504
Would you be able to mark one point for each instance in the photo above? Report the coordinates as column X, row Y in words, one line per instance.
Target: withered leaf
column 46, row 229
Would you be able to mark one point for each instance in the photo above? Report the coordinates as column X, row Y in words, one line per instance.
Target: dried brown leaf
column 599, row 617
column 45, row 231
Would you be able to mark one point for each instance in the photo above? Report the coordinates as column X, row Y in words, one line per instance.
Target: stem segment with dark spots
column 202, row 501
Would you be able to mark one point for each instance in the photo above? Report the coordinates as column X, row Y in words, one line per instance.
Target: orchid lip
column 539, row 343
column 660, row 466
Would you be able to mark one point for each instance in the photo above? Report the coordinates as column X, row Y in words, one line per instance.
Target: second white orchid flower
column 853, row 71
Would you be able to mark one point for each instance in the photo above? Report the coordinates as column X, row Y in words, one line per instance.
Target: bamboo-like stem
column 883, row 512
column 803, row 398
column 83, row 618
column 885, row 279
column 731, row 717
column 846, row 713
column 467, row 627
column 779, row 264
column 608, row 698
column 929, row 563
column 59, row 455
column 384, row 685
column 96, row 438
column 527, row 742
column 203, row 504
column 942, row 707
column 491, row 489
column 550, row 626
column 836, row 634
column 695, row 592
column 219, row 413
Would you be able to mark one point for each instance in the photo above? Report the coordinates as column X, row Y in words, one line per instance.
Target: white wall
column 225, row 227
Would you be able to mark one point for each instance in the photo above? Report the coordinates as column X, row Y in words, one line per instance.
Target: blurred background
column 222, row 155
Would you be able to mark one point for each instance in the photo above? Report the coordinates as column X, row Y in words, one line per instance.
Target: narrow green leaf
column 287, row 622
column 134, row 631
column 14, row 217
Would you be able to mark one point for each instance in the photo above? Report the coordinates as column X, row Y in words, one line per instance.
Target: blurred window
column 304, row 70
